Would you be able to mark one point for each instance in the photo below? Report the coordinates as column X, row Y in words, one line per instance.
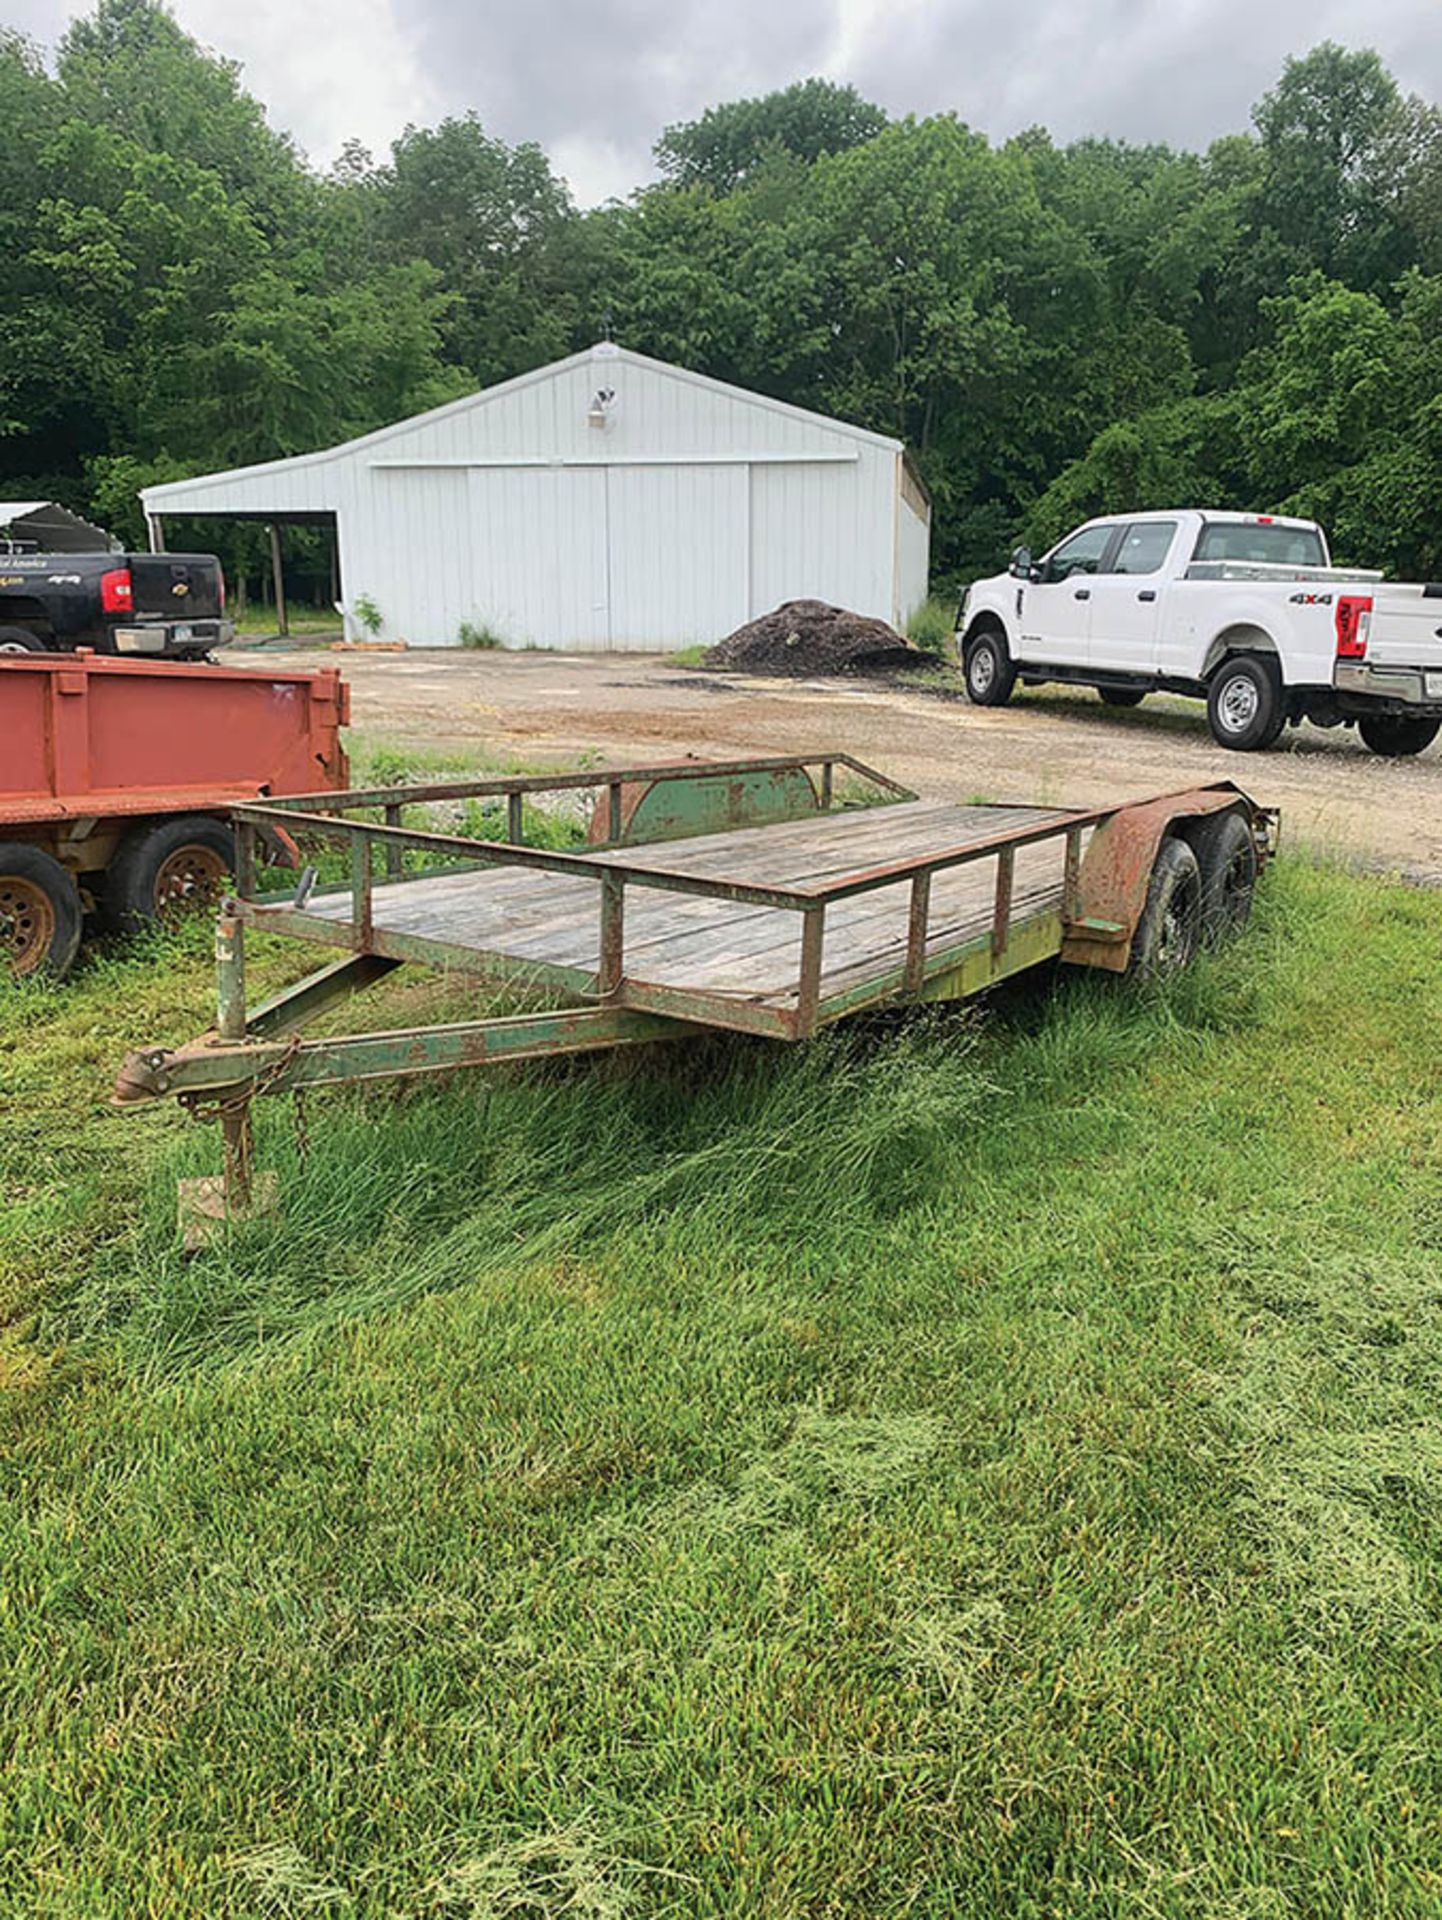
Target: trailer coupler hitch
column 143, row 1076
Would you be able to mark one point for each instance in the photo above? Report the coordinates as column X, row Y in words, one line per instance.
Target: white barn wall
column 696, row 507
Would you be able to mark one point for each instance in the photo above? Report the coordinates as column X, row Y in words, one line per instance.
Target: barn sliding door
column 677, row 551
column 536, row 569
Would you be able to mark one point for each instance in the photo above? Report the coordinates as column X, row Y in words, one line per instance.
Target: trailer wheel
column 21, row 640
column 1245, row 710
column 1227, row 856
column 1395, row 735
column 990, row 674
column 1122, row 696
column 161, row 871
column 1170, row 929
column 40, row 916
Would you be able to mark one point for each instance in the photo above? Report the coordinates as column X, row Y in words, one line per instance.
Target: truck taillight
column 1354, row 622
column 220, row 574
column 116, row 594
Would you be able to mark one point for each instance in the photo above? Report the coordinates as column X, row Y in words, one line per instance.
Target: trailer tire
column 167, row 869
column 1122, row 696
column 1226, row 851
column 21, row 640
column 988, row 667
column 1395, row 735
column 40, row 912
column 1245, row 709
column 1170, row 928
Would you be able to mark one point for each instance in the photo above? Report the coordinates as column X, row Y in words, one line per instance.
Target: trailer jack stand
column 207, row 1205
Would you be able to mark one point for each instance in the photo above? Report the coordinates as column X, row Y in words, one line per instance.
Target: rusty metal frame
column 251, row 1053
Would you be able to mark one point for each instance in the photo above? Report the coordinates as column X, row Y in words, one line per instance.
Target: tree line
column 1054, row 330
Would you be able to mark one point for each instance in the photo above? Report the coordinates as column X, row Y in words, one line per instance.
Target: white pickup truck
column 1243, row 610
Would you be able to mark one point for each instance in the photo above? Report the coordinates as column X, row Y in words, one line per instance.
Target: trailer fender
column 1116, row 869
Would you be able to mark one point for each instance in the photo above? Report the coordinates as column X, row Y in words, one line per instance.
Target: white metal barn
column 609, row 500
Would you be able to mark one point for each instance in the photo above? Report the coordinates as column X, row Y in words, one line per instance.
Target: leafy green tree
column 495, row 223
column 728, row 144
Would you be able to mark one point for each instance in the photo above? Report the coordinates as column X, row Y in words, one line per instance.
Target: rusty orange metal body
column 89, row 738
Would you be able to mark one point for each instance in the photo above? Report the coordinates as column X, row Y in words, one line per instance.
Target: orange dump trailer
column 116, row 780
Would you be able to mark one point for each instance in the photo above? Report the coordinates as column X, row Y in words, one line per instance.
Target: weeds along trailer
column 765, row 896
column 117, row 778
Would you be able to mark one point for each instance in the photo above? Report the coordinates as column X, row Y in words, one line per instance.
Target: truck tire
column 1122, row 696
column 1245, row 710
column 987, row 664
column 1227, row 856
column 1395, row 735
column 21, row 640
column 1170, row 928
column 167, row 869
column 40, row 913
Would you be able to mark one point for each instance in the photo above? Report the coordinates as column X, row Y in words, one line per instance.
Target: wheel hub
column 983, row 669
column 1238, row 704
column 27, row 924
column 191, row 877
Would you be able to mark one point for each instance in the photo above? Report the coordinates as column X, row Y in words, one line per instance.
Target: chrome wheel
column 1238, row 703
column 982, row 668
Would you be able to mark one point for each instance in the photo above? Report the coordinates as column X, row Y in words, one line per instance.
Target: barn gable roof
column 174, row 493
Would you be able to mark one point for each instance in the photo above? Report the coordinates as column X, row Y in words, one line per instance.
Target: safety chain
column 202, row 1108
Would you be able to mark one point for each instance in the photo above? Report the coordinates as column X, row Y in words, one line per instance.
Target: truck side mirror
column 1021, row 563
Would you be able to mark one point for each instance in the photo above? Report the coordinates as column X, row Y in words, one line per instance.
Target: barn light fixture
column 599, row 414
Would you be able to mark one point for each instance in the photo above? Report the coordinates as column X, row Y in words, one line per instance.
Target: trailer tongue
column 770, row 897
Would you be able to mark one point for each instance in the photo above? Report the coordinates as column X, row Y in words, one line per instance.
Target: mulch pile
column 807, row 636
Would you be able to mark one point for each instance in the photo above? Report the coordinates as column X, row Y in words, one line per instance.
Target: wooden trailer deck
column 690, row 914
column 679, row 945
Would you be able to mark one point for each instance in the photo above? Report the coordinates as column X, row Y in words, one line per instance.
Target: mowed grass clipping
column 968, row 1466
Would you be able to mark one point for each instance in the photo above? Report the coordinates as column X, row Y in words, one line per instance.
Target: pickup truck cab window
column 1083, row 553
column 1144, row 546
column 1261, row 543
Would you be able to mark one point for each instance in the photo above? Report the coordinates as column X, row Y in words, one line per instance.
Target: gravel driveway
column 545, row 709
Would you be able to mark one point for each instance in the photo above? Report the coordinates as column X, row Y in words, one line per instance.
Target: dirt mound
column 806, row 637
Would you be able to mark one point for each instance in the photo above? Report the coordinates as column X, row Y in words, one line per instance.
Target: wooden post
column 277, row 574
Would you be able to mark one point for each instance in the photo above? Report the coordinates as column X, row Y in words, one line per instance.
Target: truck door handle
column 1083, row 593
column 1147, row 593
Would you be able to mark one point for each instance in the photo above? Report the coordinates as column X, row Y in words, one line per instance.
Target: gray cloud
column 594, row 81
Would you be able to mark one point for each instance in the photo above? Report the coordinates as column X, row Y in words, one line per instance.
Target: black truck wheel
column 1170, row 929
column 990, row 674
column 1395, row 735
column 1227, row 856
column 40, row 914
column 21, row 640
column 1244, row 703
column 161, row 871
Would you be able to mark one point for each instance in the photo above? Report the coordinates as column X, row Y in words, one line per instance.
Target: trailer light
column 116, row 594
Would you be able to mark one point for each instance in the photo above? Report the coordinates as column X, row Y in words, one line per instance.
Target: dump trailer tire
column 21, row 640
column 40, row 913
column 988, row 668
column 167, row 869
column 1245, row 710
column 1122, row 696
column 1169, row 931
column 1396, row 735
column 1226, row 851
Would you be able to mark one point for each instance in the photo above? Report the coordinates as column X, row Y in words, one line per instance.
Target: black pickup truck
column 171, row 604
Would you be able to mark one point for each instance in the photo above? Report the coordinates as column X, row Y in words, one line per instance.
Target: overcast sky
column 594, row 81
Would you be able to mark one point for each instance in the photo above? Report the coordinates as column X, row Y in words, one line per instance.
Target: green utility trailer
column 762, row 896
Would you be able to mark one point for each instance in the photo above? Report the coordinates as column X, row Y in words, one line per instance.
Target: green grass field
column 975, row 1465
